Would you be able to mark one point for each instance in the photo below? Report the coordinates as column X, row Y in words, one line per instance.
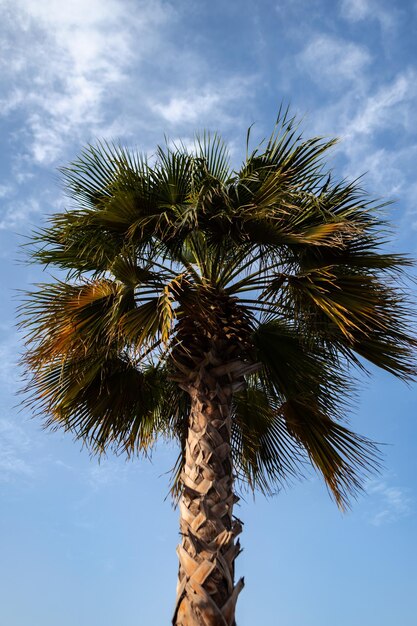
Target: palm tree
column 224, row 309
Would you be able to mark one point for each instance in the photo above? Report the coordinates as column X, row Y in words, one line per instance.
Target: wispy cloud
column 15, row 443
column 15, row 212
column 376, row 126
column 14, row 448
column 208, row 102
column 9, row 357
column 65, row 62
column 390, row 107
column 370, row 109
column 5, row 191
column 74, row 72
column 391, row 503
column 358, row 10
column 107, row 473
column 331, row 61
column 371, row 101
column 379, row 136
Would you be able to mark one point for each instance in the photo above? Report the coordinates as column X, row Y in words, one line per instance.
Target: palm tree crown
column 277, row 266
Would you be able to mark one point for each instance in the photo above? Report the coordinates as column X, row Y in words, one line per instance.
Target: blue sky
column 82, row 543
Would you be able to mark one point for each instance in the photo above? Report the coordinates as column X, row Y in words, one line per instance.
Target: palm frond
column 92, row 178
column 63, row 318
column 73, row 242
column 293, row 367
column 307, row 391
column 357, row 312
column 265, row 455
column 214, row 155
column 342, row 457
column 104, row 400
column 285, row 268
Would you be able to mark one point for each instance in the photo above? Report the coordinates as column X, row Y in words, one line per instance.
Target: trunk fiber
column 206, row 593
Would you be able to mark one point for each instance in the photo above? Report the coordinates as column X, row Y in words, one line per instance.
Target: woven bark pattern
column 206, row 593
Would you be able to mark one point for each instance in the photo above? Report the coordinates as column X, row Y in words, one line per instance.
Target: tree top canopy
column 282, row 269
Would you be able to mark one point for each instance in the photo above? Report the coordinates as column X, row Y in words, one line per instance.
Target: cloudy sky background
column 82, row 543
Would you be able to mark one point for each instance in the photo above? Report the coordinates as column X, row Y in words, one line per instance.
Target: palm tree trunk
column 206, row 593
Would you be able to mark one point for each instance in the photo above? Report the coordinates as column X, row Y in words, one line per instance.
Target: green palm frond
column 105, row 400
column 288, row 269
column 102, row 170
column 74, row 243
column 265, row 454
column 358, row 313
column 172, row 179
column 299, row 162
column 342, row 457
column 213, row 156
column 294, row 368
column 309, row 392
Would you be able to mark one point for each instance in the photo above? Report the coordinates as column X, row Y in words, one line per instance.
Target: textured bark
column 206, row 593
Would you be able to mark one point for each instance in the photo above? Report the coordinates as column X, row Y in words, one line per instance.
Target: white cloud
column 18, row 447
column 361, row 123
column 76, row 71
column 183, row 109
column 392, row 503
column 376, row 125
column 203, row 104
column 107, row 472
column 17, row 212
column 9, row 356
column 64, row 62
column 14, row 446
column 391, row 106
column 5, row 191
column 332, row 62
column 65, row 68
column 358, row 10
column 382, row 168
column 355, row 10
